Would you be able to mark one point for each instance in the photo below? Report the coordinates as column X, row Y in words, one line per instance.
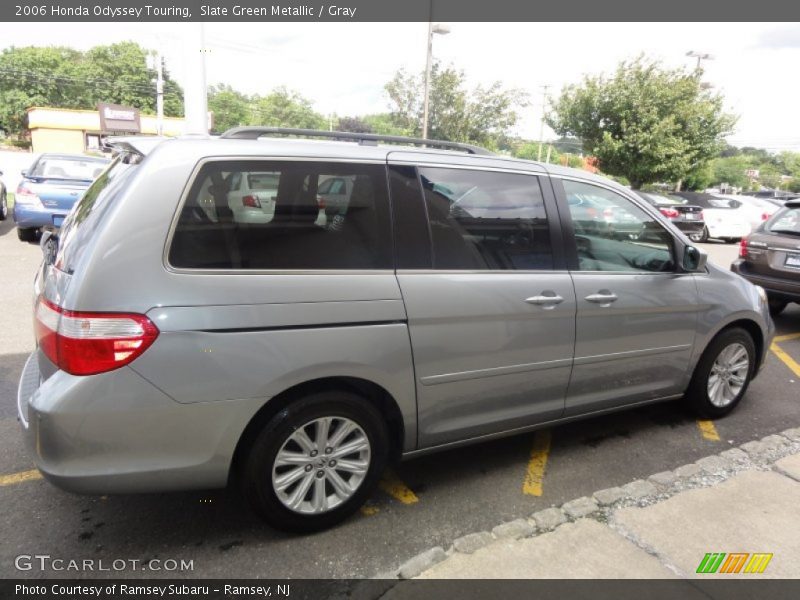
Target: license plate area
column 792, row 260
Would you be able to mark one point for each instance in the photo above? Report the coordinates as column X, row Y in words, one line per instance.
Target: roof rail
column 366, row 139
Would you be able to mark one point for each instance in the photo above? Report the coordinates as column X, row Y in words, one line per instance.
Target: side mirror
column 694, row 259
column 1, row 173
column 24, row 172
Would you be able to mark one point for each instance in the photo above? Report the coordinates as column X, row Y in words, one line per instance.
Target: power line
column 50, row 78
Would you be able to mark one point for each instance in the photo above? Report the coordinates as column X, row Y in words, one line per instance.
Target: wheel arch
column 368, row 390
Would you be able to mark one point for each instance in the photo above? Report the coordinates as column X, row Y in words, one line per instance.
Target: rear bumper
column 117, row 433
column 776, row 287
column 27, row 217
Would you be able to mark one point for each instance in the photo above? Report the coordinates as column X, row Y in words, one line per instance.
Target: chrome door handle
column 546, row 301
column 602, row 298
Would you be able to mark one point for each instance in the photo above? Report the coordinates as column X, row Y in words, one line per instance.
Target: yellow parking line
column 786, row 338
column 392, row 485
column 31, row 475
column 787, row 360
column 708, row 430
column 534, row 476
column 368, row 510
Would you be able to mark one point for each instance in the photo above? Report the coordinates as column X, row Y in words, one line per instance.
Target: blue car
column 49, row 190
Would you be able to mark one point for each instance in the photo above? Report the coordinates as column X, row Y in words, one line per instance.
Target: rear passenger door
column 490, row 305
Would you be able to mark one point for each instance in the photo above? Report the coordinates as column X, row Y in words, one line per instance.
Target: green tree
column 354, row 125
column 66, row 78
column 730, row 170
column 385, row 124
column 229, row 107
column 645, row 122
column 285, row 108
column 481, row 116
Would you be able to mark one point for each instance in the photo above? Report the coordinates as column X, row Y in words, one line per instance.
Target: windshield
column 67, row 168
column 786, row 221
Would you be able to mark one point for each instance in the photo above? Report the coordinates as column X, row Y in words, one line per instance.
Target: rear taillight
column 25, row 196
column 743, row 248
column 251, row 201
column 764, row 216
column 702, row 216
column 670, row 213
column 87, row 343
column 321, row 202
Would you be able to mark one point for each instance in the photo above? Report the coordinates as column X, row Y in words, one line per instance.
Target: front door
column 491, row 308
column 636, row 317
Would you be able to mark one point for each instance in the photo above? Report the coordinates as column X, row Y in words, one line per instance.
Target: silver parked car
column 181, row 348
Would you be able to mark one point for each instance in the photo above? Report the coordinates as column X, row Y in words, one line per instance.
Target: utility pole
column 541, row 125
column 196, row 92
column 159, row 93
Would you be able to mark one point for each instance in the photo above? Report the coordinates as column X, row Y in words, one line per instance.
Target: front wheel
column 316, row 462
column 722, row 375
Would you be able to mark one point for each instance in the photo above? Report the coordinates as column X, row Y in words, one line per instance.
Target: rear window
column 67, row 168
column 281, row 220
column 81, row 223
column 786, row 221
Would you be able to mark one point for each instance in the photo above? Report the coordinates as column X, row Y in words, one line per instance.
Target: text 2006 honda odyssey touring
column 428, row 298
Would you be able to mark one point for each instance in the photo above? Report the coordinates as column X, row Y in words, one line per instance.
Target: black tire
column 3, row 207
column 257, row 470
column 776, row 306
column 26, row 234
column 732, row 240
column 697, row 396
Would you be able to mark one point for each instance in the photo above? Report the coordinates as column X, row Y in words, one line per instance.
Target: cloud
column 780, row 38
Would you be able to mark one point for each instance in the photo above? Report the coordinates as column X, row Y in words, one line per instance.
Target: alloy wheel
column 728, row 374
column 321, row 465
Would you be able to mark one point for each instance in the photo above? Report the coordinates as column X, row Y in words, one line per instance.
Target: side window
column 272, row 215
column 614, row 234
column 486, row 220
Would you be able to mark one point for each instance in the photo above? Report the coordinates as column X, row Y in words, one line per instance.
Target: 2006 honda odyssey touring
column 446, row 296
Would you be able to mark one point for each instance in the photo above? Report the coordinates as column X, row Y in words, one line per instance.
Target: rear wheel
column 316, row 462
column 776, row 306
column 723, row 373
column 26, row 234
column 3, row 207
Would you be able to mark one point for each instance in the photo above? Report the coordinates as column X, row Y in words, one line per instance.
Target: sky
column 342, row 67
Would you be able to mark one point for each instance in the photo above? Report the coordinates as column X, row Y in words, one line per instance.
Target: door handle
column 545, row 301
column 603, row 298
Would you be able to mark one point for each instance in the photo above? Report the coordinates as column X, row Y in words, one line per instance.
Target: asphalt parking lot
column 425, row 502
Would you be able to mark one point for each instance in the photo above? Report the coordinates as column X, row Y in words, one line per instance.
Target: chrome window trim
column 233, row 158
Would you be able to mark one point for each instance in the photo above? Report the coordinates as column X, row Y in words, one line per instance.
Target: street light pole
column 700, row 56
column 432, row 29
column 159, row 94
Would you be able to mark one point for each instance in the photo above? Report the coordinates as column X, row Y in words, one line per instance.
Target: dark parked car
column 3, row 200
column 686, row 217
column 770, row 257
column 50, row 188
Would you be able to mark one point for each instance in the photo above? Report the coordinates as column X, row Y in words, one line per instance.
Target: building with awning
column 80, row 131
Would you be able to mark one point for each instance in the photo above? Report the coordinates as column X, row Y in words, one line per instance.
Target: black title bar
column 398, row 11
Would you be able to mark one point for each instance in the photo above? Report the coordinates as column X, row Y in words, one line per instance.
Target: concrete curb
column 706, row 472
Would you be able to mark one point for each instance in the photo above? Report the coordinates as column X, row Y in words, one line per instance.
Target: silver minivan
column 454, row 296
